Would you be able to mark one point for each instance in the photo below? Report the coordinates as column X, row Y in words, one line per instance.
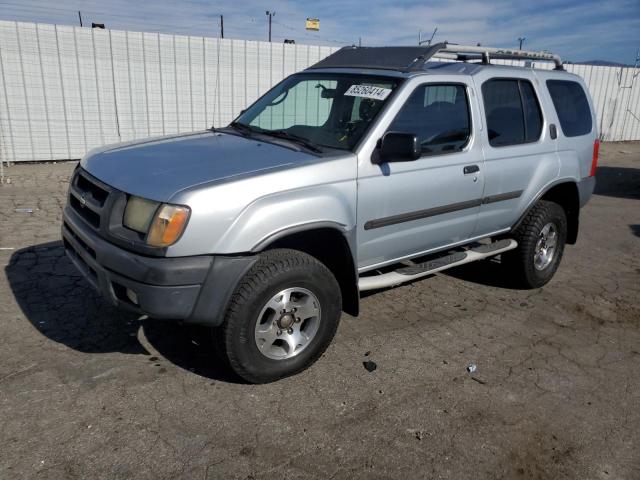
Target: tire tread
column 518, row 261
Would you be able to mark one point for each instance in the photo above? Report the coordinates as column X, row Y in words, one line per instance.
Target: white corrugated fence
column 65, row 89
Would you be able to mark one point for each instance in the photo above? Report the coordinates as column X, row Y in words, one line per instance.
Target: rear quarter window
column 572, row 107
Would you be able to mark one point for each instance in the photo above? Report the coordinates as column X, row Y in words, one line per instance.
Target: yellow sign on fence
column 313, row 24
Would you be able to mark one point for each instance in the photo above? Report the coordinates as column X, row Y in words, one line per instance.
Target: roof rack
column 466, row 52
column 409, row 59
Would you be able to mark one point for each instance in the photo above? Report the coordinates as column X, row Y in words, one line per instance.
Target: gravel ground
column 90, row 392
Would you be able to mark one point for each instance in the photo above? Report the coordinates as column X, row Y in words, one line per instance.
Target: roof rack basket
column 408, row 59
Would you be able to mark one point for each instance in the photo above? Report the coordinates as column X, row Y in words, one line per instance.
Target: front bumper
column 159, row 287
column 195, row 289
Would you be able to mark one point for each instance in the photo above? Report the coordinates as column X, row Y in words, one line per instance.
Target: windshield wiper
column 242, row 128
column 249, row 131
column 293, row 138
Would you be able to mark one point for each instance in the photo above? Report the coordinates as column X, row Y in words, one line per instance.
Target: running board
column 407, row 274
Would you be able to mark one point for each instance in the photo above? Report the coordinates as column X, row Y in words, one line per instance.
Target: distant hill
column 602, row 63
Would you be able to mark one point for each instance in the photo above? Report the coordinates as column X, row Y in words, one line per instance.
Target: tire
column 527, row 269
column 255, row 308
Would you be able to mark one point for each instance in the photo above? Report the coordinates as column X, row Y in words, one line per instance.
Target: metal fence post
column 146, row 92
column 95, row 69
column 113, row 82
column 190, row 80
column 84, row 125
column 161, row 87
column 44, row 94
column 133, row 123
column 64, row 100
column 204, row 81
column 175, row 80
column 24, row 89
column 6, row 100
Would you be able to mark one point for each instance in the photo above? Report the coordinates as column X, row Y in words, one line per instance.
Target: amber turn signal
column 167, row 225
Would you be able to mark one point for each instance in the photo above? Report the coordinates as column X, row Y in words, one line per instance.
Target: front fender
column 236, row 216
column 267, row 218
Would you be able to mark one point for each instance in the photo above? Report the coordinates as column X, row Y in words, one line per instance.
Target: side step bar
column 406, row 274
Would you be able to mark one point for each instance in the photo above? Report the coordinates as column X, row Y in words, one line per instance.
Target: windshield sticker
column 368, row 91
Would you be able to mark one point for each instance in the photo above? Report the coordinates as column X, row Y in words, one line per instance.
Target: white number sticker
column 368, row 91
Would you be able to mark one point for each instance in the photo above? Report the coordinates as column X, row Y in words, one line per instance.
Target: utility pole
column 80, row 17
column 221, row 26
column 359, row 41
column 521, row 40
column 270, row 15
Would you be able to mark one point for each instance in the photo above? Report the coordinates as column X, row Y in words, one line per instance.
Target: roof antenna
column 428, row 42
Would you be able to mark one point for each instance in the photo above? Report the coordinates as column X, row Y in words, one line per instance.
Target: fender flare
column 347, row 275
column 302, row 227
column 540, row 194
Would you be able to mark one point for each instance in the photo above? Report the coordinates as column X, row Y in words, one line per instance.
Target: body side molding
column 431, row 212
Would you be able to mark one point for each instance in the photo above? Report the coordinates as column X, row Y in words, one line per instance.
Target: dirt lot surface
column 90, row 392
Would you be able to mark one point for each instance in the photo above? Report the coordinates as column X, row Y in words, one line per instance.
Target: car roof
column 409, row 61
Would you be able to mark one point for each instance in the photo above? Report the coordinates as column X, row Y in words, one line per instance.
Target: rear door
column 520, row 155
column 405, row 208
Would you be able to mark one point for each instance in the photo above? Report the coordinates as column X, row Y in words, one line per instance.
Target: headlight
column 161, row 223
column 139, row 213
column 167, row 225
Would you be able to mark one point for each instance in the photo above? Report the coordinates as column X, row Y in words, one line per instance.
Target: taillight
column 594, row 159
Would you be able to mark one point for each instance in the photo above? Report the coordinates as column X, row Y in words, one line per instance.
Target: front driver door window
column 439, row 116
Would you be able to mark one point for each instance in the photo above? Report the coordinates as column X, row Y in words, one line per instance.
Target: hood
column 159, row 168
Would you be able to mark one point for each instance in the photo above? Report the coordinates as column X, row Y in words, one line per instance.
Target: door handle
column 471, row 169
column 553, row 132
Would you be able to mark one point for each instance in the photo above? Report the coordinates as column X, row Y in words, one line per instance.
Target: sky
column 577, row 30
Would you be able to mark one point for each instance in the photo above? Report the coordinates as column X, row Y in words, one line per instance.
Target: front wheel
column 541, row 239
column 282, row 316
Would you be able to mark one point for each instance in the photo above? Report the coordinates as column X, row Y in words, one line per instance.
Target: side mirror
column 399, row 147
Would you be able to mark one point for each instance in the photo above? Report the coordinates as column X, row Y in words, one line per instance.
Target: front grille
column 91, row 217
column 96, row 191
column 87, row 197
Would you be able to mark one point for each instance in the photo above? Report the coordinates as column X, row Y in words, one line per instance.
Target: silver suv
column 373, row 167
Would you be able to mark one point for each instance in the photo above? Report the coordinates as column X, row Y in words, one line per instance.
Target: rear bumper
column 180, row 288
column 585, row 189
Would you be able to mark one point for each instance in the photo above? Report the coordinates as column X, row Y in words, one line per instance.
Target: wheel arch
column 565, row 193
column 330, row 244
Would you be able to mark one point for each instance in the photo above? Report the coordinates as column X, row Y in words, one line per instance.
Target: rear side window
column 513, row 112
column 572, row 107
column 438, row 115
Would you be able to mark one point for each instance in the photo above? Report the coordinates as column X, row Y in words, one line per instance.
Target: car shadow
column 63, row 307
column 635, row 229
column 489, row 272
column 618, row 182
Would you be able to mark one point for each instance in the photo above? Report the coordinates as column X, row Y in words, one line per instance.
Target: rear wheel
column 282, row 316
column 541, row 239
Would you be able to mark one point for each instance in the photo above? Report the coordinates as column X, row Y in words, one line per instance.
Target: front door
column 406, row 208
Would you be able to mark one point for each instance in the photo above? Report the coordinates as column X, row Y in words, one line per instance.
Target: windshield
column 320, row 109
